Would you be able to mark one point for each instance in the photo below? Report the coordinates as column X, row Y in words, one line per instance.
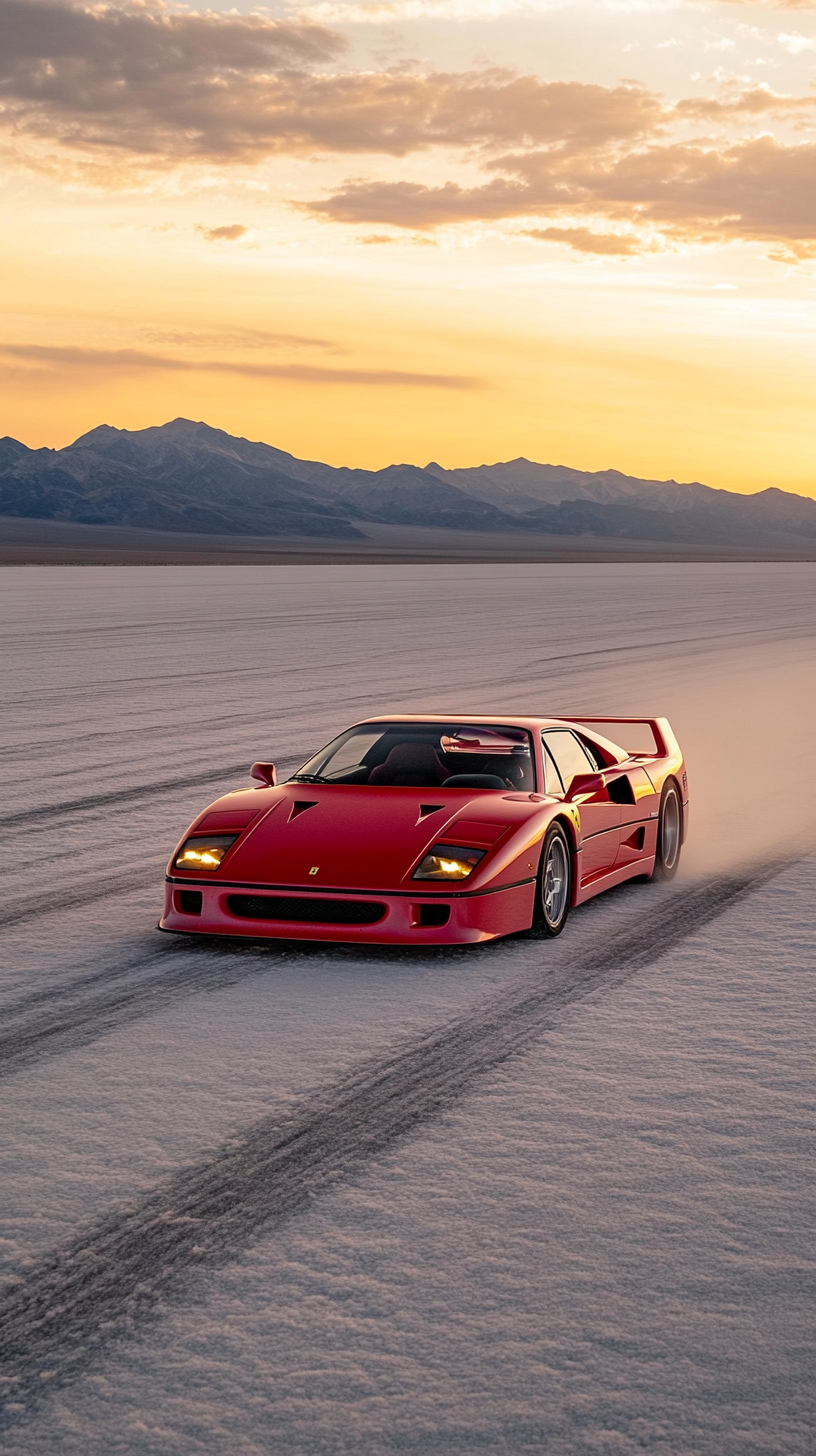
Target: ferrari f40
column 425, row 830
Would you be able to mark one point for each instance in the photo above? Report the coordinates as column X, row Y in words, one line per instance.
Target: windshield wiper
column 309, row 779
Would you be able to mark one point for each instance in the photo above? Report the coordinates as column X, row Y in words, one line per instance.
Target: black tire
column 553, row 883
column 669, row 833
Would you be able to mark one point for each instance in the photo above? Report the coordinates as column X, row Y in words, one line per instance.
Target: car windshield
column 426, row 755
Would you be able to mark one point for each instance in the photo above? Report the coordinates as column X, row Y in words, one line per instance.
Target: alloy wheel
column 555, row 882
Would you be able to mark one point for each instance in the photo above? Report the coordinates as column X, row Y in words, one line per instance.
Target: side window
column 594, row 753
column 570, row 756
column 552, row 779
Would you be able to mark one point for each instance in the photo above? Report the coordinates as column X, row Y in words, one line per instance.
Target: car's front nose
column 341, row 862
column 411, row 918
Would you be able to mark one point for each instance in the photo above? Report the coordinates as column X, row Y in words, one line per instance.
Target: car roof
column 509, row 720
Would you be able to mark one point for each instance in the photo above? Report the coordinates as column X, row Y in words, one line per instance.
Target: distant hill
column 187, row 476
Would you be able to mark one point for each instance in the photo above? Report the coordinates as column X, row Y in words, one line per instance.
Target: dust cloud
column 746, row 724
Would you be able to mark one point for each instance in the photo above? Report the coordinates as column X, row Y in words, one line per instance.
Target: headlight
column 448, row 862
column 203, row 852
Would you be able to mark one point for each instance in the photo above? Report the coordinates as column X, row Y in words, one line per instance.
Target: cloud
column 753, row 190
column 152, row 87
column 756, row 189
column 56, row 356
column 755, row 102
column 778, row 4
column 376, row 240
column 229, row 234
column 240, row 339
column 793, row 252
column 584, row 240
column 415, row 205
column 796, row 43
column 164, row 88
column 380, row 12
column 134, row 43
column 149, row 81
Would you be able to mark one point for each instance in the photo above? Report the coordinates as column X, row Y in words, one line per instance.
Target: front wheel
column 554, row 884
column 669, row 827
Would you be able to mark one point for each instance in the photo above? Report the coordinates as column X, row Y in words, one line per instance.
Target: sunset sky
column 378, row 230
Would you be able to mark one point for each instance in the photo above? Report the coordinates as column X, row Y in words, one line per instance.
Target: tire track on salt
column 57, row 1019
column 46, row 902
column 113, row 797
column 102, row 1284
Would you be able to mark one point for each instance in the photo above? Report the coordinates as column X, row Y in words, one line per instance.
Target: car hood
column 348, row 836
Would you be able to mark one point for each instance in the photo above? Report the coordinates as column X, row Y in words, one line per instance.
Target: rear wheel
column 669, row 827
column 554, row 884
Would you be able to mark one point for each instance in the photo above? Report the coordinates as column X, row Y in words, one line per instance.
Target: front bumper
column 474, row 917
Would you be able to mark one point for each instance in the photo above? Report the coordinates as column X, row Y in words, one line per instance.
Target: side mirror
column 585, row 785
column 264, row 773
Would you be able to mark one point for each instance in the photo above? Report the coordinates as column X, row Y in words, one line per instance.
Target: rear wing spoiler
column 647, row 737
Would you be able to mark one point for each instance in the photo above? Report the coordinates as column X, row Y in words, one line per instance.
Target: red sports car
column 425, row 830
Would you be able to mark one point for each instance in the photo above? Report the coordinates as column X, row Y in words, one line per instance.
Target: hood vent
column 300, row 806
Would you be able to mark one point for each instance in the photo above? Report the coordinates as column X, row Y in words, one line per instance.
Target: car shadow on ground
column 342, row 951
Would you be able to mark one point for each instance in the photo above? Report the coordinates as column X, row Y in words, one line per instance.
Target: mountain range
column 188, row 476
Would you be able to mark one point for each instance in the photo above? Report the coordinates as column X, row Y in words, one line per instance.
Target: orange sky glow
column 452, row 230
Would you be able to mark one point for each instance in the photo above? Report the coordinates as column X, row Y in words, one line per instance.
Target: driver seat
column 410, row 765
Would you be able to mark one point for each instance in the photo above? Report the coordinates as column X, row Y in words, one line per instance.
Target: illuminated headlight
column 203, row 853
column 448, row 862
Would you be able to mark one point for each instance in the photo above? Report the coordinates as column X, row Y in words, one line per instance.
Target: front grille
column 309, row 911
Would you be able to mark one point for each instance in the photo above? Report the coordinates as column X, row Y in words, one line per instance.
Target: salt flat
column 601, row 1244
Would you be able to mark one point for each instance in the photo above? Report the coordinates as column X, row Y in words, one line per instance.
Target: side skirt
column 615, row 877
